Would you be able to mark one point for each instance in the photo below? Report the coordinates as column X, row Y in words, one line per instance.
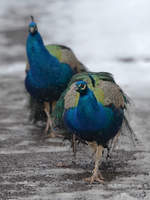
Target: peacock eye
column 83, row 86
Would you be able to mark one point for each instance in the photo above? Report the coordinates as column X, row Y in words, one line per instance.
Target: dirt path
column 28, row 168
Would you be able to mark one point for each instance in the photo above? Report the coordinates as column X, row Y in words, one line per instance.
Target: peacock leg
column 47, row 112
column 53, row 133
column 96, row 176
column 74, row 145
column 49, row 125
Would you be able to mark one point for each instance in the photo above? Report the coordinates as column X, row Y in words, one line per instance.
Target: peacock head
column 32, row 26
column 81, row 87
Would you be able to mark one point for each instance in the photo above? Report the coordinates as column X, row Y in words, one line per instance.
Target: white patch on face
column 31, row 29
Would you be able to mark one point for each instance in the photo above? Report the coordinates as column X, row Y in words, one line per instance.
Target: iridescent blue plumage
column 47, row 77
column 91, row 120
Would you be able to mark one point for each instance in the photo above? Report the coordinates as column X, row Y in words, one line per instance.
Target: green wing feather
column 55, row 50
column 66, row 55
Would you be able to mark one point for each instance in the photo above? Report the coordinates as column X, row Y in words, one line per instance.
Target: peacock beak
column 31, row 29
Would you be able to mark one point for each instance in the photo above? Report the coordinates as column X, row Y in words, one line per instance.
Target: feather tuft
column 32, row 18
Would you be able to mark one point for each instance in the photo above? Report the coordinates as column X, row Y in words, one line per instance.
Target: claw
column 95, row 178
column 52, row 135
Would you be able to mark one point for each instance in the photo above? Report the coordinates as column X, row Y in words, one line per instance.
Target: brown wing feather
column 70, row 97
column 112, row 94
column 69, row 58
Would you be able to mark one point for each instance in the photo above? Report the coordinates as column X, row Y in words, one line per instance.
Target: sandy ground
column 29, row 169
column 28, row 161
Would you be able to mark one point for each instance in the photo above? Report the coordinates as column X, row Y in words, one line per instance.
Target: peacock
column 93, row 109
column 48, row 71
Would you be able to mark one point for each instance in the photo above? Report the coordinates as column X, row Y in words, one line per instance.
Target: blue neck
column 40, row 60
column 89, row 112
column 87, row 104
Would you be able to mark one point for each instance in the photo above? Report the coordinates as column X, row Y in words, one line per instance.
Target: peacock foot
column 95, row 178
column 54, row 134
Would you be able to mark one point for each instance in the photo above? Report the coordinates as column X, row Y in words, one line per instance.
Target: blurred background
column 110, row 35
column 106, row 35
